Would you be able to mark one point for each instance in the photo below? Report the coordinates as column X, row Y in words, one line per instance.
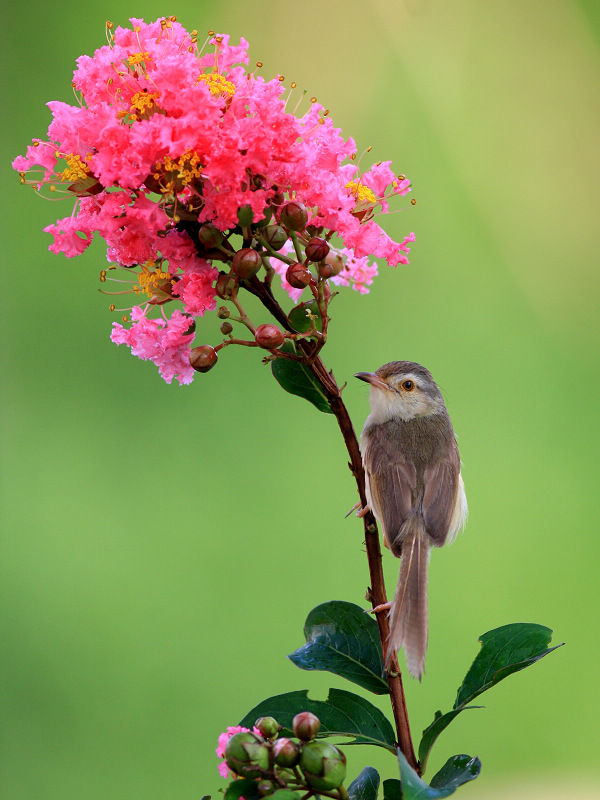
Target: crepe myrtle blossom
column 177, row 155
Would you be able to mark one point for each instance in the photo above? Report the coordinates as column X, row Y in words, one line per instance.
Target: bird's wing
column 390, row 486
column 440, row 495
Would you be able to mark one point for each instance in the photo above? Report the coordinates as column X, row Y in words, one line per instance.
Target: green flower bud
column 335, row 261
column 226, row 328
column 276, row 236
column 306, row 725
column 245, row 216
column 298, row 276
column 294, row 216
column 226, row 286
column 268, row 727
column 269, row 337
column 323, row 765
column 247, row 755
column 265, row 788
column 317, row 249
column 247, row 262
column 203, row 358
column 210, row 236
column 286, row 752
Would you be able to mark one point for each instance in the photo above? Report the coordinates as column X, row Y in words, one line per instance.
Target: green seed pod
column 306, row 725
column 276, row 236
column 247, row 755
column 323, row 765
column 268, row 727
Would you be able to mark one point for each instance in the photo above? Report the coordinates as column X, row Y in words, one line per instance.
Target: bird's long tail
column 408, row 612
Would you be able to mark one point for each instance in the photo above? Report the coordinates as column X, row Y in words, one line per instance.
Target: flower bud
column 277, row 200
column 325, row 270
column 226, row 328
column 306, row 725
column 203, row 358
column 286, row 753
column 294, row 216
column 226, row 286
column 268, row 727
column 269, row 337
column 247, row 755
column 335, row 261
column 317, row 249
column 298, row 276
column 323, row 765
column 247, row 262
column 210, row 236
column 245, row 216
column 192, row 328
column 223, row 312
column 265, row 788
column 275, row 236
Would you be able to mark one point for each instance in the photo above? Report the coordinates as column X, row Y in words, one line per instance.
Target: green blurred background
column 163, row 545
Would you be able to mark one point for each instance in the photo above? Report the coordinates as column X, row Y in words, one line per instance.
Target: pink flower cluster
column 165, row 139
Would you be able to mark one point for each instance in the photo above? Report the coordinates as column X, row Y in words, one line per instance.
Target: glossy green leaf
column 342, row 714
column 244, row 788
column 342, row 638
column 392, row 790
column 297, row 379
column 300, row 321
column 431, row 733
column 365, row 786
column 504, row 650
column 456, row 771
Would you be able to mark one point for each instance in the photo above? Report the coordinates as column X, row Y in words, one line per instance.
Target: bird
column 415, row 489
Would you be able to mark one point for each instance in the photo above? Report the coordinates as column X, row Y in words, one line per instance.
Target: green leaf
column 431, row 733
column 456, row 771
column 342, row 714
column 285, row 794
column 365, row 786
column 392, row 789
column 300, row 321
column 242, row 788
column 504, row 650
column 296, row 378
column 342, row 638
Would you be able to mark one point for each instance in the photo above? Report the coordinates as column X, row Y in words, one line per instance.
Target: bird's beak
column 373, row 379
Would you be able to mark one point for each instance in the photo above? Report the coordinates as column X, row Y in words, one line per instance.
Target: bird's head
column 402, row 390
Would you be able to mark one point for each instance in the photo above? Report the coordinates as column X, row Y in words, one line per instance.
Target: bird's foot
column 381, row 607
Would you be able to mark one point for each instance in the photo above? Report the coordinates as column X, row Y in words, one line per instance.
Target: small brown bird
column 414, row 488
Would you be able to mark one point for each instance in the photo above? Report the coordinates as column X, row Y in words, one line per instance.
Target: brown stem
column 378, row 593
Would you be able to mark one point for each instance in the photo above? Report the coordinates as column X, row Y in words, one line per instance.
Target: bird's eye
column 408, row 385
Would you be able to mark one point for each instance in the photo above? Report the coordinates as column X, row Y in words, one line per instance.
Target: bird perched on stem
column 414, row 488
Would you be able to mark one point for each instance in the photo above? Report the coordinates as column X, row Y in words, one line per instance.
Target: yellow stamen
column 137, row 58
column 217, row 84
column 76, row 169
column 362, row 193
column 150, row 278
column 143, row 101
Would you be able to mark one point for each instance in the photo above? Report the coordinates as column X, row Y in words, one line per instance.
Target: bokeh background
column 162, row 546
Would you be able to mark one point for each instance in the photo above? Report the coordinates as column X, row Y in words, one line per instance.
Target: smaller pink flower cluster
column 166, row 138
